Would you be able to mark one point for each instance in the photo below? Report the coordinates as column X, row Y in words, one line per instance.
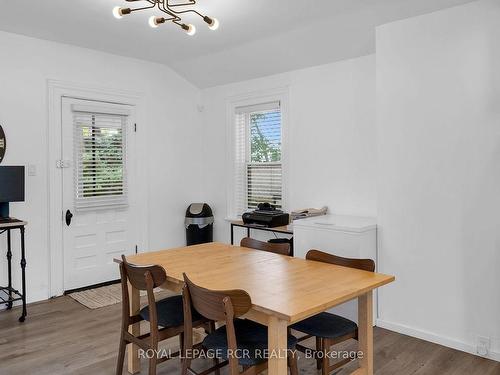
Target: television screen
column 11, row 184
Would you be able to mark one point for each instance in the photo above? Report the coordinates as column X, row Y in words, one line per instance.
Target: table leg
column 134, row 364
column 277, row 337
column 23, row 275
column 365, row 333
column 232, row 234
column 9, row 267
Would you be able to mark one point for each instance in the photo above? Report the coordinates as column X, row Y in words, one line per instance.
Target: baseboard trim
column 432, row 337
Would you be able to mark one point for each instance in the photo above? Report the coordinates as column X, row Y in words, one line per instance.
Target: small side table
column 8, row 295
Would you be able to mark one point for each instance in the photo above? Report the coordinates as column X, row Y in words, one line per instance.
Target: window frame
column 280, row 95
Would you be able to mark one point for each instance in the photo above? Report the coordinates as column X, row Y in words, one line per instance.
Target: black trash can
column 284, row 240
column 199, row 224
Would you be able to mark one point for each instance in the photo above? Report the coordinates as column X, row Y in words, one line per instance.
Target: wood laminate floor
column 63, row 337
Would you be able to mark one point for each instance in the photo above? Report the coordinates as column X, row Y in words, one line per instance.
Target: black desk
column 8, row 295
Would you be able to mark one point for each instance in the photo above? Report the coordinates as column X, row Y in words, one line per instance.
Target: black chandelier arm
column 152, row 2
column 188, row 11
column 172, row 10
column 191, row 2
column 144, row 8
column 173, row 19
column 163, row 8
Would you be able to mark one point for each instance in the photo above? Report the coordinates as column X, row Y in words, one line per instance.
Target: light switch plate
column 31, row 170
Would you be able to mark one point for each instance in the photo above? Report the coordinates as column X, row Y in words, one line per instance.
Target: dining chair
column 330, row 329
column 277, row 248
column 236, row 336
column 166, row 316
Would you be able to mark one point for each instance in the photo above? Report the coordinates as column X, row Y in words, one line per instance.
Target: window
column 100, row 157
column 258, row 150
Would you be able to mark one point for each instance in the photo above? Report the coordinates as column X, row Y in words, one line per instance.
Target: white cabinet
column 345, row 236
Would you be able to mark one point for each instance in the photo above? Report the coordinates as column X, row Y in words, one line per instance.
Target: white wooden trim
column 433, row 337
column 56, row 91
column 109, row 110
column 280, row 94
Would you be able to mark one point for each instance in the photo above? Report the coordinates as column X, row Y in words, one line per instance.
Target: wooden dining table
column 284, row 290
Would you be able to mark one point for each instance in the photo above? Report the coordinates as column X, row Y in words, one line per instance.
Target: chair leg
column 153, row 360
column 121, row 357
column 185, row 364
column 292, row 363
column 181, row 344
column 211, row 329
column 318, row 349
column 325, row 347
column 216, row 363
column 152, row 365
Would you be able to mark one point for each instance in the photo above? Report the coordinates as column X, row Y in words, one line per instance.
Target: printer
column 266, row 216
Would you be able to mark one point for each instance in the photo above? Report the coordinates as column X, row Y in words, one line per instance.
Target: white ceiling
column 256, row 37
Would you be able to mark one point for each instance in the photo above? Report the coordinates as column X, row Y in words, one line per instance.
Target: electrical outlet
column 483, row 346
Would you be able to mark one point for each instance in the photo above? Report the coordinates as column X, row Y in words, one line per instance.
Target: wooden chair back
column 142, row 278
column 361, row 264
column 277, row 248
column 217, row 306
column 212, row 304
column 136, row 275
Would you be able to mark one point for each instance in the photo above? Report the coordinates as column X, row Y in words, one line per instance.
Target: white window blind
column 100, row 158
column 258, row 166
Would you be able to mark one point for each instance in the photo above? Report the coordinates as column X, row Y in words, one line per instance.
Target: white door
column 98, row 173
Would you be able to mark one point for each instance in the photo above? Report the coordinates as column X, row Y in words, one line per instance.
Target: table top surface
column 13, row 223
column 287, row 287
column 281, row 229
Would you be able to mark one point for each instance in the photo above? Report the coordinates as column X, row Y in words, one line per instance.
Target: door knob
column 69, row 216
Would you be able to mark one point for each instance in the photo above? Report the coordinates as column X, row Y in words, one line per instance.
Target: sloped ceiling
column 256, row 37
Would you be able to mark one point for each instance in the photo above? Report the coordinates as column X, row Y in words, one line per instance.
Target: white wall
column 435, row 152
column 331, row 138
column 435, row 149
column 438, row 93
column 169, row 119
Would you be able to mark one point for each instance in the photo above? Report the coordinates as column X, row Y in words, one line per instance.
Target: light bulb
column 153, row 22
column 117, row 12
column 191, row 30
column 214, row 25
column 120, row 12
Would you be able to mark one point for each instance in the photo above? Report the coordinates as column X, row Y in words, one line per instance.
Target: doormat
column 108, row 295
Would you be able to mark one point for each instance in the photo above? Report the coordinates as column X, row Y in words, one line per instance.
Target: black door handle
column 69, row 216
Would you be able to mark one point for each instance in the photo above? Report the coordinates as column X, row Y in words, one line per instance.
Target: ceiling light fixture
column 154, row 21
column 190, row 29
column 172, row 10
column 213, row 23
column 119, row 12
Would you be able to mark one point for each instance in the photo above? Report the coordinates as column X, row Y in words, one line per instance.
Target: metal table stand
column 9, row 295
